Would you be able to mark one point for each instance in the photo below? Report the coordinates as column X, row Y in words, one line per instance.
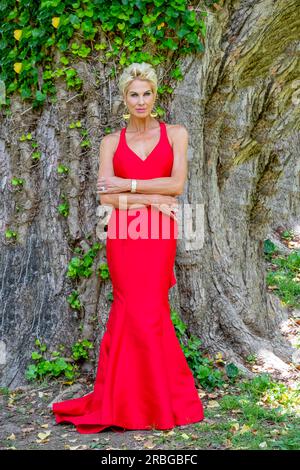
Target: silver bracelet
column 133, row 186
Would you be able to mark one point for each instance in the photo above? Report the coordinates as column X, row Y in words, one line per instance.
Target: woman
column 143, row 380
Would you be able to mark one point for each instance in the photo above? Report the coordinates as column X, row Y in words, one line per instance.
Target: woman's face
column 140, row 98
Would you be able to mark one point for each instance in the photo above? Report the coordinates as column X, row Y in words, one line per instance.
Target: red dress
column 143, row 380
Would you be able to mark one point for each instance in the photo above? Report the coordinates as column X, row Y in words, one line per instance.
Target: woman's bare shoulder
column 176, row 127
column 172, row 130
column 112, row 139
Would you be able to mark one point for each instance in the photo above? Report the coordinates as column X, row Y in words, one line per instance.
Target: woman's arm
column 169, row 185
column 128, row 200
column 125, row 200
column 166, row 204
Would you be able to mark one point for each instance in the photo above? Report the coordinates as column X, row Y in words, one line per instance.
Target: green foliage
column 81, row 266
column 232, row 370
column 287, row 235
column 10, row 234
column 284, row 277
column 68, row 73
column 62, row 169
column 80, row 49
column 265, row 414
column 36, row 155
column 269, row 249
column 57, row 365
column 123, row 31
column 291, row 441
column 4, row 391
column 258, row 385
column 277, row 394
column 103, row 271
column 85, row 142
column 17, row 182
column 80, row 349
column 74, row 125
column 53, row 367
column 74, row 300
column 251, row 358
column 110, row 296
column 209, row 376
column 25, row 137
column 63, row 208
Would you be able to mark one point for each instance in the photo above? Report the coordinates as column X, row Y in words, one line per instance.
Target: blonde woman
column 143, row 380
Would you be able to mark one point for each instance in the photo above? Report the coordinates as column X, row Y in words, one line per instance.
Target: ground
column 254, row 416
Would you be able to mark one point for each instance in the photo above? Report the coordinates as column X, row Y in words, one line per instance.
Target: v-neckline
column 134, row 153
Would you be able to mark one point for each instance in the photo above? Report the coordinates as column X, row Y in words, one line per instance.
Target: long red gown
column 143, row 380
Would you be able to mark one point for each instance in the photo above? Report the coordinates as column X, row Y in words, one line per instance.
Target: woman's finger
column 168, row 211
column 162, row 208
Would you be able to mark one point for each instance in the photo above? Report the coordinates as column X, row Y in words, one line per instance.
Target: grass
column 254, row 414
column 283, row 274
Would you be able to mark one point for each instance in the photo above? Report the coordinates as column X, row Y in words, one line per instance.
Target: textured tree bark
column 240, row 104
column 244, row 169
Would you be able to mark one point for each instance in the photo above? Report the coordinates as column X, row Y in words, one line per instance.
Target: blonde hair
column 142, row 71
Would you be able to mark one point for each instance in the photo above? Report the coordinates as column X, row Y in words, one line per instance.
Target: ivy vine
column 127, row 30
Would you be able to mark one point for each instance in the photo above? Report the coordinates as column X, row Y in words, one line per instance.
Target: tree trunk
column 244, row 170
column 239, row 101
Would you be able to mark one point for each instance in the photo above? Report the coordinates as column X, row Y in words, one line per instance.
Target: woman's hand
column 163, row 199
column 166, row 204
column 113, row 184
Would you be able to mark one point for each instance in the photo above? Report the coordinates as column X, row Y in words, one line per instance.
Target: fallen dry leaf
column 81, row 446
column 228, row 443
column 27, row 429
column 263, row 444
column 234, row 427
column 44, row 435
column 149, row 444
column 169, row 433
column 138, row 437
column 213, row 404
column 245, row 428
